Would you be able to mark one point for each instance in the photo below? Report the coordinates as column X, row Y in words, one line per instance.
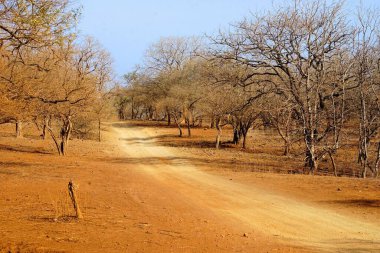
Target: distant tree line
column 308, row 70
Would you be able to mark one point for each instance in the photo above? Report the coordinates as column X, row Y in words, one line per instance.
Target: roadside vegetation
column 307, row 71
column 49, row 74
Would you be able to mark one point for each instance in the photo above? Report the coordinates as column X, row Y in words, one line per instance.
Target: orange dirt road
column 285, row 220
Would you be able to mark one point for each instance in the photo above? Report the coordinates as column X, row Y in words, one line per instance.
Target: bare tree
column 366, row 73
column 294, row 49
column 76, row 82
column 171, row 53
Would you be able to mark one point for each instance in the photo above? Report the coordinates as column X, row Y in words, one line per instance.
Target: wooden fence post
column 72, row 192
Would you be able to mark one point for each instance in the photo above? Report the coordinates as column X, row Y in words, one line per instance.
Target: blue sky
column 126, row 28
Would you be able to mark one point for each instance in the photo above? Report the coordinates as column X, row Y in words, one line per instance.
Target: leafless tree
column 366, row 73
column 294, row 49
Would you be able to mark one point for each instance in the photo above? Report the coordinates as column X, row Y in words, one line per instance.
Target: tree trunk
column 377, row 162
column 219, row 128
column 44, row 127
column 244, row 128
column 237, row 136
column 311, row 161
column 150, row 113
column 212, row 125
column 363, row 138
column 62, row 147
column 333, row 164
column 287, row 144
column 244, row 139
column 178, row 123
column 179, row 129
column 121, row 114
column 57, row 145
column 44, row 132
column 65, row 134
column 132, row 110
column 363, row 152
column 310, row 156
column 188, row 127
column 314, row 167
column 364, row 169
column 169, row 118
column 19, row 133
column 99, row 131
column 286, row 148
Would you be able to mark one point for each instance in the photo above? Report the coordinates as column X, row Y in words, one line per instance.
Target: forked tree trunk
column 178, row 123
column 64, row 134
column 179, row 129
column 19, row 133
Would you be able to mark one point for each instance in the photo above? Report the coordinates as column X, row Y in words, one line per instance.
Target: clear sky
column 127, row 27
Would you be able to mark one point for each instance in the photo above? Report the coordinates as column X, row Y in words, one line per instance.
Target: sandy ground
column 287, row 219
column 139, row 196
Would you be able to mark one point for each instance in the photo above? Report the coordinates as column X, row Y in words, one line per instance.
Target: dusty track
column 279, row 217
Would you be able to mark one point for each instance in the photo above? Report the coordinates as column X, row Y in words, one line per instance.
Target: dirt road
column 279, row 217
